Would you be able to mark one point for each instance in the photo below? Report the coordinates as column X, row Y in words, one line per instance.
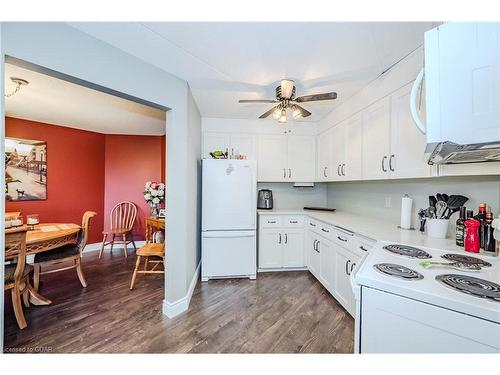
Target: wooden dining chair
column 65, row 257
column 122, row 219
column 154, row 250
column 16, row 275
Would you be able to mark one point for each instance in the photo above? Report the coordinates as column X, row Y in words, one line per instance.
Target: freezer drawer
column 228, row 254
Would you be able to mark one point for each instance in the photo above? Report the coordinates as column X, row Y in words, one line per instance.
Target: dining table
column 45, row 237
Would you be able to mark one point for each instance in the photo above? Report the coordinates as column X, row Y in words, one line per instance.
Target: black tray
column 320, row 209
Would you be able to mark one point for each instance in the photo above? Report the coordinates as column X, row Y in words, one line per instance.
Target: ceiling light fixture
column 277, row 112
column 19, row 82
column 282, row 118
column 296, row 112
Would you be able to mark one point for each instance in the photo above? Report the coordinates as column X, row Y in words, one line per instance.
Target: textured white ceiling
column 224, row 62
column 54, row 101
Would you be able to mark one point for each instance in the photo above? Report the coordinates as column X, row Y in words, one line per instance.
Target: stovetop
column 395, row 268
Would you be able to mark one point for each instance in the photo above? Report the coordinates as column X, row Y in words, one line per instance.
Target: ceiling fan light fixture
column 282, row 118
column 296, row 112
column 277, row 113
column 287, row 88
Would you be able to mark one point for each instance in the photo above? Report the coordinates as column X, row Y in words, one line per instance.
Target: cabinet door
column 353, row 141
column 293, row 248
column 270, row 248
column 338, row 153
column 214, row 141
column 376, row 140
column 324, row 165
column 468, row 75
column 407, row 158
column 313, row 257
column 343, row 266
column 271, row 163
column 301, row 152
column 243, row 144
column 327, row 264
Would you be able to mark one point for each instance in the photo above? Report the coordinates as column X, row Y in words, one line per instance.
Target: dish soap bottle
column 460, row 228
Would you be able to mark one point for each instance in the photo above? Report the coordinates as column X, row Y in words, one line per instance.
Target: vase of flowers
column 154, row 194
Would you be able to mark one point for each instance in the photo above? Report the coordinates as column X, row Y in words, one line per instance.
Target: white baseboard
column 172, row 309
column 97, row 246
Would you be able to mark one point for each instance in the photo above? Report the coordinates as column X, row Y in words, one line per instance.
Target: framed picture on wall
column 25, row 169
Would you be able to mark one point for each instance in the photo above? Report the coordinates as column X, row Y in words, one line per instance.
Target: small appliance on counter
column 265, row 200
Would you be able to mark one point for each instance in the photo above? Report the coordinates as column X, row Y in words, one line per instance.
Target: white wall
column 64, row 49
column 368, row 198
column 285, row 196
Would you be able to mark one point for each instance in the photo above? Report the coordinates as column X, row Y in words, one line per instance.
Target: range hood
column 452, row 153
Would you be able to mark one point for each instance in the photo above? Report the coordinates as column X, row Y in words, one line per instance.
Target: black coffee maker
column 265, row 199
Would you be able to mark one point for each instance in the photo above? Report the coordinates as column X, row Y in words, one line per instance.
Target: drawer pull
column 312, row 224
column 341, row 239
column 325, row 230
column 293, row 221
column 363, row 248
column 271, row 221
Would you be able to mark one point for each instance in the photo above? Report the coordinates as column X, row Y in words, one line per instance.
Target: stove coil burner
column 396, row 270
column 471, row 285
column 466, row 259
column 408, row 251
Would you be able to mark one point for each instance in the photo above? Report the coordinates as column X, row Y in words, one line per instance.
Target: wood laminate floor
column 287, row 312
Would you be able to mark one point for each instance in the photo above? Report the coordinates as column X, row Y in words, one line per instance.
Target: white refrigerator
column 229, row 201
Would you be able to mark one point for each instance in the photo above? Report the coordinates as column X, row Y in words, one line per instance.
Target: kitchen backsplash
column 288, row 197
column 369, row 197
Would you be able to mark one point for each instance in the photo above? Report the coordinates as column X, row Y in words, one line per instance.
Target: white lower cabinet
column 281, row 247
column 345, row 261
column 312, row 251
column 327, row 264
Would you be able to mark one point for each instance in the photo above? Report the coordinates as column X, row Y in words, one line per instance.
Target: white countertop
column 375, row 228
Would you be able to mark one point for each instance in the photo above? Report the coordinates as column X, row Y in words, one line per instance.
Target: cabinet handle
column 383, row 163
column 312, row 224
column 284, row 172
column 363, row 248
column 271, row 222
column 390, row 163
column 279, row 241
column 352, row 267
column 314, row 245
column 347, row 267
column 343, row 169
column 289, row 173
column 317, row 246
column 324, row 171
column 325, row 230
column 341, row 239
column 286, row 238
column 232, row 151
column 293, row 221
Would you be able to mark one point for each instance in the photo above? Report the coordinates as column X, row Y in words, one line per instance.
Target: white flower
column 154, row 193
column 161, row 192
column 156, row 200
column 147, row 196
column 148, row 184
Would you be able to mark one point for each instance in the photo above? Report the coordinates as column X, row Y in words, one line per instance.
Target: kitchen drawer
column 344, row 238
column 293, row 221
column 271, row 221
column 364, row 244
column 313, row 225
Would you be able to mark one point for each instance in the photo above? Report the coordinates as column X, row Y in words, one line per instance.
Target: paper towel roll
column 406, row 204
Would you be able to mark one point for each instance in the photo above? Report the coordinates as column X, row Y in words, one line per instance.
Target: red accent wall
column 91, row 171
column 130, row 162
column 75, row 173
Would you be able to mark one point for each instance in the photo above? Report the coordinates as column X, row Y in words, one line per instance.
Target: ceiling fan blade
column 316, row 97
column 303, row 111
column 264, row 115
column 256, row 101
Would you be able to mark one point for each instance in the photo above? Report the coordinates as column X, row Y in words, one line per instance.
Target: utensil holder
column 437, row 228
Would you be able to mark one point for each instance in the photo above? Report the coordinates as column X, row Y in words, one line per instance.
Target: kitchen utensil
column 437, row 228
column 455, row 265
column 441, row 208
column 421, row 215
column 432, row 201
column 439, row 197
column 445, row 197
column 454, row 203
column 430, row 212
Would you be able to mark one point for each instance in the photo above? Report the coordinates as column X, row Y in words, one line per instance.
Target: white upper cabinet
column 462, row 82
column 215, row 141
column 376, row 140
column 243, row 144
column 232, row 143
column 301, row 160
column 353, row 148
column 337, row 153
column 272, row 163
column 324, row 170
column 407, row 158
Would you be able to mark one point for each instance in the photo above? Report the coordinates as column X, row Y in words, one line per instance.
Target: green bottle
column 460, row 228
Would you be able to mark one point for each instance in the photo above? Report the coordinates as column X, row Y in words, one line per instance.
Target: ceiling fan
column 285, row 97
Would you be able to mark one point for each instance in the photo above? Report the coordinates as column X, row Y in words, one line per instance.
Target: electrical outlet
column 387, row 202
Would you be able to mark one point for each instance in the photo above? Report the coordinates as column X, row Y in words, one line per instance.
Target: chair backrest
column 84, row 233
column 15, row 247
column 123, row 215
